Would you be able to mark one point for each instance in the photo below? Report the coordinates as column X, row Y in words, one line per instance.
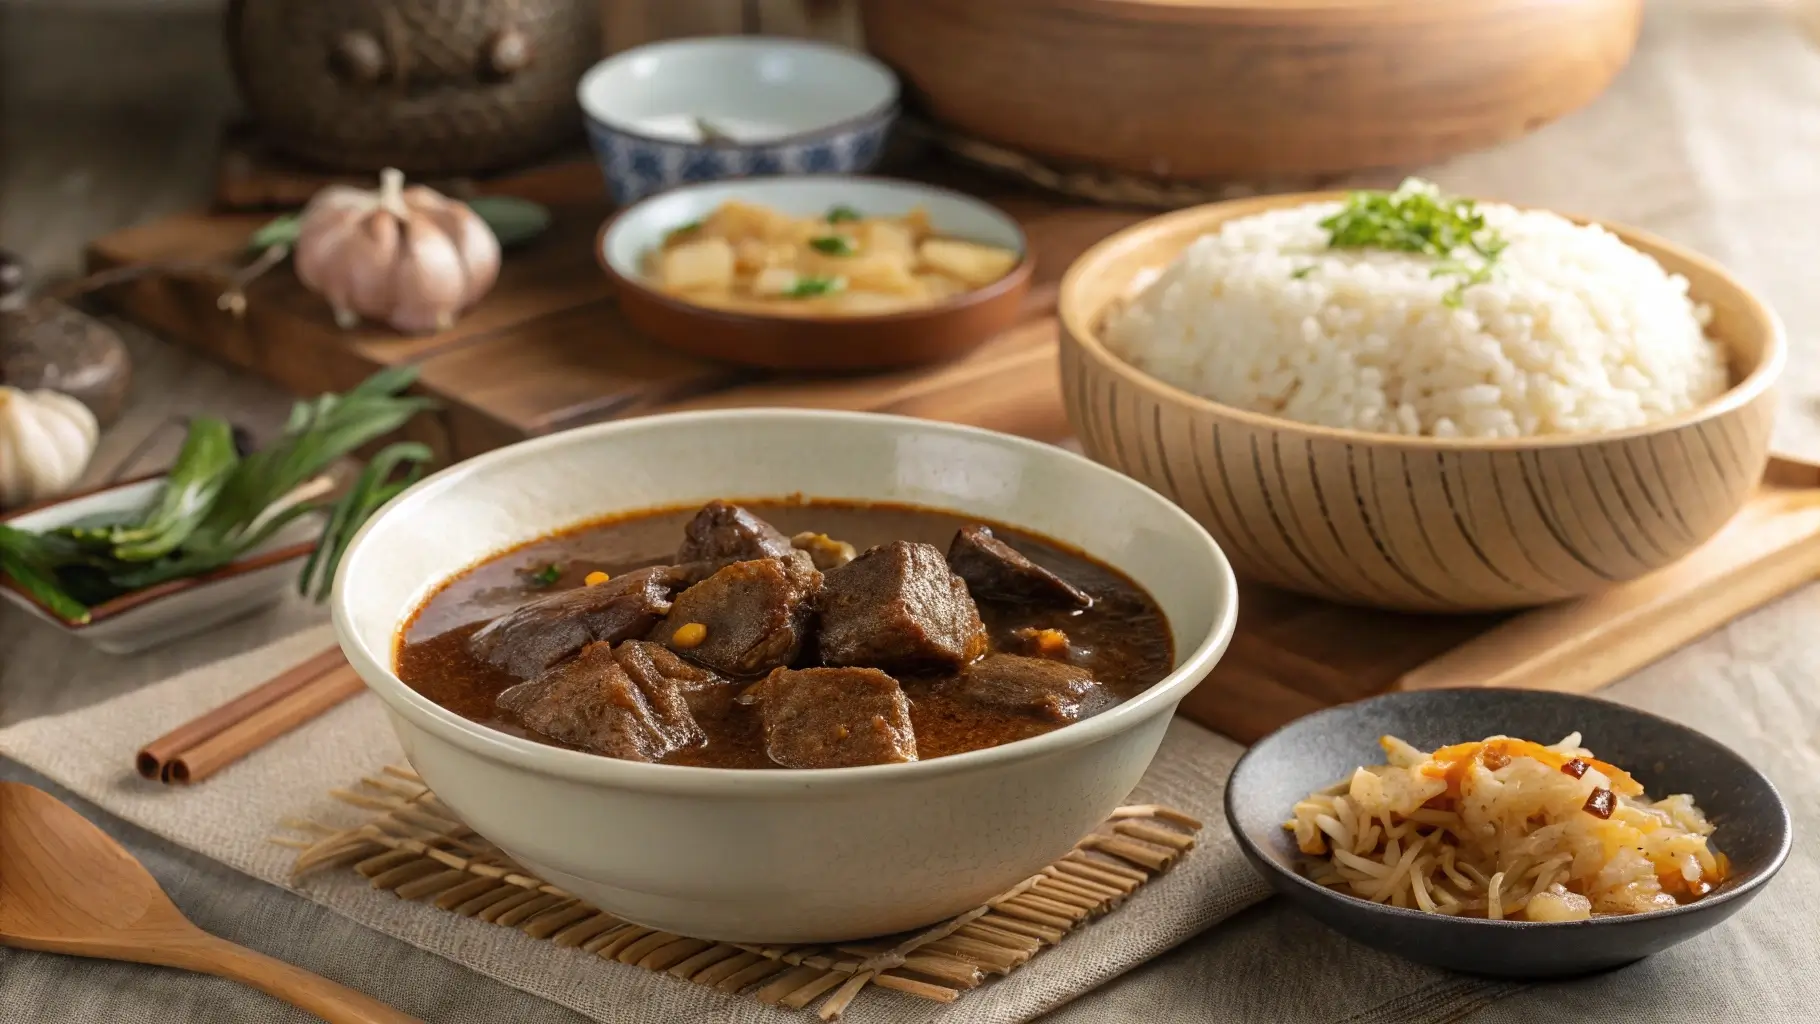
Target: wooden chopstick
column 199, row 748
column 268, row 723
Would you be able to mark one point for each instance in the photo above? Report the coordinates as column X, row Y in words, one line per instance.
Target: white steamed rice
column 1576, row 332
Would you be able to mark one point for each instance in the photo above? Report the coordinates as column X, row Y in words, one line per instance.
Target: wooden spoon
column 66, row 887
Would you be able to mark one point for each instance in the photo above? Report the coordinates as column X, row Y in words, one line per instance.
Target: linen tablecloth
column 1711, row 138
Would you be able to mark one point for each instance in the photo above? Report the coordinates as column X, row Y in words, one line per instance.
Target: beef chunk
column 535, row 636
column 723, row 531
column 898, row 608
column 653, row 665
column 995, row 570
column 835, row 718
column 746, row 619
column 591, row 702
column 1038, row 687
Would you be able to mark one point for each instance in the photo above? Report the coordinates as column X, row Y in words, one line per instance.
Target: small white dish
column 774, row 106
column 780, row 856
column 169, row 611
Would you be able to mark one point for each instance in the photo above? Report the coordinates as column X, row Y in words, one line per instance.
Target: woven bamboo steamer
column 1421, row 524
column 1249, row 90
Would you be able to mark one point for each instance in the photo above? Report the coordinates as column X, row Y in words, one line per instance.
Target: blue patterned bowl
column 694, row 110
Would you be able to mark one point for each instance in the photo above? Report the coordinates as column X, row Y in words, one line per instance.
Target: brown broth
column 1123, row 639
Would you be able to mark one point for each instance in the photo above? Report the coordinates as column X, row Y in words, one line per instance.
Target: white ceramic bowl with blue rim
column 769, row 106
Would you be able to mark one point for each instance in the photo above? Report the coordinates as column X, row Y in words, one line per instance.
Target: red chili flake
column 1576, row 768
column 1600, row 803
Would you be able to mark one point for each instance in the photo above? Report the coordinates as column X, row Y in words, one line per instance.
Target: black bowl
column 1751, row 823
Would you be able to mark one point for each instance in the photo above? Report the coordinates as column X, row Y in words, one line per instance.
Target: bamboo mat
column 417, row 849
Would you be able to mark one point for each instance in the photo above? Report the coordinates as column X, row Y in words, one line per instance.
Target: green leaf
column 514, row 221
column 833, row 245
column 281, row 231
column 371, row 491
column 26, row 560
column 215, row 507
column 680, row 230
column 189, row 492
column 843, row 213
column 543, row 576
column 809, row 287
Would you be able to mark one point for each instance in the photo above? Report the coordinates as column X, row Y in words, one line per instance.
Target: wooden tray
column 548, row 350
column 1293, row 655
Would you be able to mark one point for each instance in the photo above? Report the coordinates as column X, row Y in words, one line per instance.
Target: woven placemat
column 418, row 849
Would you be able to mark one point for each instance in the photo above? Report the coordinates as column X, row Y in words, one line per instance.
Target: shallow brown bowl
column 1421, row 523
column 781, row 342
column 1246, row 89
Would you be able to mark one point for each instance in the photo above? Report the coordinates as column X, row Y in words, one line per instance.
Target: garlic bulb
column 410, row 257
column 46, row 439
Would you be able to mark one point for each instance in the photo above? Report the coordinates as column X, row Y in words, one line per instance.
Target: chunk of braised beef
column 746, row 619
column 1039, row 687
column 591, row 702
column 994, row 570
column 534, row 636
column 897, row 607
column 723, row 531
column 835, row 718
column 654, row 666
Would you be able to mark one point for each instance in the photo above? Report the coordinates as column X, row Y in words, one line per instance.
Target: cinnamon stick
column 157, row 755
column 245, row 736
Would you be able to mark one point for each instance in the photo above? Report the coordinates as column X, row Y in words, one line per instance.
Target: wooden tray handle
column 1772, row 547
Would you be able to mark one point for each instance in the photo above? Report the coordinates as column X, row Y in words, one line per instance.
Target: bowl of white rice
column 1416, row 401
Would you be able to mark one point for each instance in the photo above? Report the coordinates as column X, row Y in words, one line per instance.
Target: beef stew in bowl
column 776, row 855
column 785, row 634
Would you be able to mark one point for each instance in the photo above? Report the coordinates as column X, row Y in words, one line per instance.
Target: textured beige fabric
column 232, row 815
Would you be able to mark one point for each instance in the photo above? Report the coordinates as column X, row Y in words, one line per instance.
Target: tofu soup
column 785, row 634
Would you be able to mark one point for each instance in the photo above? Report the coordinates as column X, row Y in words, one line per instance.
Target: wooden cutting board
column 548, row 350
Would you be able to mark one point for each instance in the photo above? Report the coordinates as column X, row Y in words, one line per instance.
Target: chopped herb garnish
column 843, row 213
column 1418, row 218
column 543, row 576
column 809, row 287
column 833, row 245
column 682, row 229
column 1301, row 272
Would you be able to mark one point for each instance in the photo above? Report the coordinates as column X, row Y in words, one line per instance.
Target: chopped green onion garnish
column 833, row 245
column 1418, row 218
column 544, row 576
column 1301, row 272
column 809, row 287
column 843, row 213
column 681, row 230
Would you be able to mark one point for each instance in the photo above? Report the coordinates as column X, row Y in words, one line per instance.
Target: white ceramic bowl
column 781, row 106
column 780, row 856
